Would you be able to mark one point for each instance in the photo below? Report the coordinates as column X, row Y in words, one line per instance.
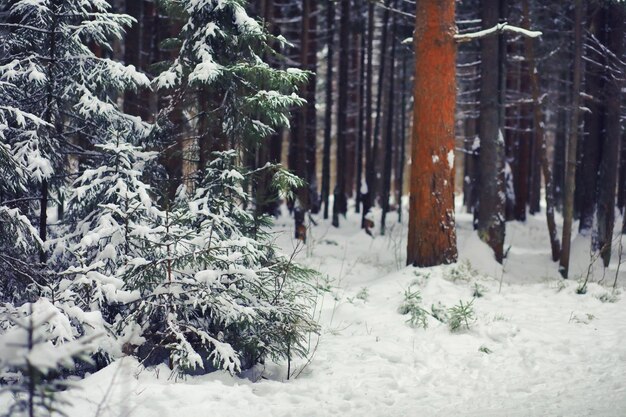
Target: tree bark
column 340, row 205
column 389, row 131
column 432, row 234
column 328, row 115
column 402, row 138
column 539, row 136
column 594, row 123
column 491, row 194
column 607, row 176
column 572, row 155
column 367, row 196
column 361, row 129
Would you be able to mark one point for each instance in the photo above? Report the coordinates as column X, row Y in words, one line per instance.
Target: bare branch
column 496, row 30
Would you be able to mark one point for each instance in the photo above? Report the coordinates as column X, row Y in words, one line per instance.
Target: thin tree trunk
column 539, row 136
column 389, row 131
column 572, row 155
column 310, row 16
column 402, row 137
column 328, row 115
column 372, row 181
column 361, row 134
column 432, row 234
column 524, row 155
column 340, row 204
column 470, row 165
column 367, row 196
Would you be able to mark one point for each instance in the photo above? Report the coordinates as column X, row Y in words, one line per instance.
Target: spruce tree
column 47, row 55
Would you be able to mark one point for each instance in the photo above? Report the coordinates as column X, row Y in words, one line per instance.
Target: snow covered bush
column 411, row 305
column 36, row 343
column 48, row 69
column 461, row 316
column 193, row 281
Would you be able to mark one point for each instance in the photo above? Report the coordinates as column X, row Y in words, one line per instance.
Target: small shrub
column 462, row 271
column 461, row 316
column 363, row 294
column 479, row 290
column 418, row 317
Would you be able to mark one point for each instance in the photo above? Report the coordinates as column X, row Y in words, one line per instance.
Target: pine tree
column 46, row 57
column 211, row 290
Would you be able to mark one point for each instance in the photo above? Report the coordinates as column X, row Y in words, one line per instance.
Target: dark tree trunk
column 607, row 176
column 367, row 197
column 539, row 136
column 372, row 181
column 470, row 165
column 304, row 145
column 387, row 167
column 310, row 54
column 340, row 205
column 524, row 156
column 361, row 130
column 514, row 131
column 402, row 138
column 352, row 119
column 594, row 124
column 560, row 145
column 490, row 213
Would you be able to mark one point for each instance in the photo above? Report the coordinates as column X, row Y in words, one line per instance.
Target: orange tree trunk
column 432, row 235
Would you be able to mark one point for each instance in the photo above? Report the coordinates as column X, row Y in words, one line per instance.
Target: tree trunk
column 594, row 123
column 560, row 144
column 361, row 132
column 402, row 138
column 389, row 131
column 491, row 193
column 371, row 178
column 340, row 205
column 432, row 234
column 607, row 176
column 539, row 136
column 310, row 54
column 367, row 196
column 328, row 115
column 572, row 155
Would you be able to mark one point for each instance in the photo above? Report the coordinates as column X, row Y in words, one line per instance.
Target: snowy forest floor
column 536, row 348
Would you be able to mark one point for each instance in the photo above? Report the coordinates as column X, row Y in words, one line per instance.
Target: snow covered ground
column 536, row 348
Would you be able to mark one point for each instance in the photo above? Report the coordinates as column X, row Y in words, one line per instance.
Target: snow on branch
column 497, row 29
